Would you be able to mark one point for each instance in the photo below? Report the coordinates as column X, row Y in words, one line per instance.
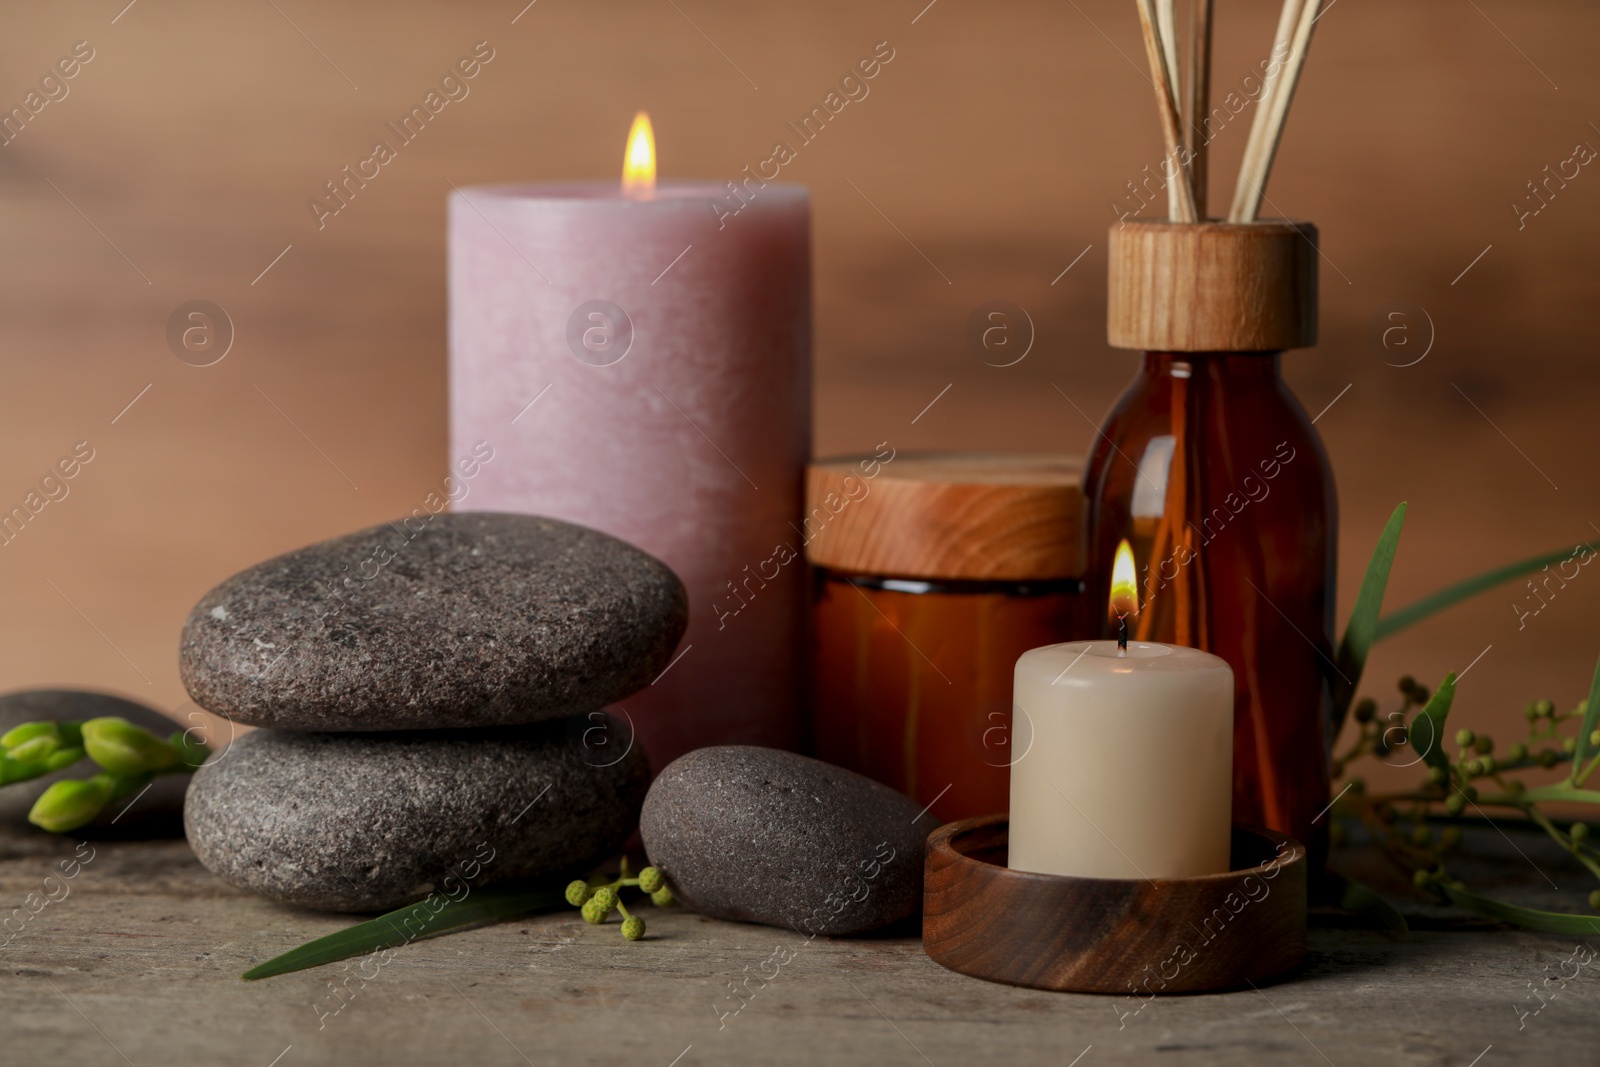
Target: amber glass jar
column 1211, row 470
column 932, row 574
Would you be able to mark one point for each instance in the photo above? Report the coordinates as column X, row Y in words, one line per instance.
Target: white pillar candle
column 1126, row 761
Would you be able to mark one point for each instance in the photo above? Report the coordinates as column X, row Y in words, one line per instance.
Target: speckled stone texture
column 475, row 619
column 365, row 822
column 761, row 835
column 155, row 814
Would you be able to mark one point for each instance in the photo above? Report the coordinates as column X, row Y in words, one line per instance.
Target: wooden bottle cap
column 977, row 516
column 1213, row 286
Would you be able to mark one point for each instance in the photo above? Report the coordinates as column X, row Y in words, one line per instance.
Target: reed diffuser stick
column 1199, row 100
column 1278, row 111
column 1180, row 198
column 1277, row 64
column 1167, row 33
column 1167, row 30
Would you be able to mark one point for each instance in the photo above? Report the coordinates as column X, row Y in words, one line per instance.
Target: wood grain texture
column 150, row 946
column 980, row 516
column 1212, row 287
column 1110, row 935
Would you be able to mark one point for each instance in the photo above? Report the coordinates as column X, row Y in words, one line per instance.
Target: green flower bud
column 1366, row 709
column 1487, row 763
column 651, row 879
column 1471, row 791
column 1569, row 745
column 1578, row 832
column 68, row 805
column 1465, row 737
column 577, row 892
column 1472, row 768
column 18, row 736
column 1421, row 836
column 1421, row 879
column 1436, row 775
column 1517, row 753
column 633, row 928
column 123, row 748
column 1594, row 899
column 1594, row 739
column 1483, row 743
column 1407, row 683
column 1456, row 804
column 35, row 750
column 1531, row 712
column 1450, row 837
column 662, row 897
column 1547, row 758
column 1544, row 708
column 593, row 913
column 605, row 898
column 63, row 758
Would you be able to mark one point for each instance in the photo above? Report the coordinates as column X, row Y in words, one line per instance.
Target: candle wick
column 1122, row 636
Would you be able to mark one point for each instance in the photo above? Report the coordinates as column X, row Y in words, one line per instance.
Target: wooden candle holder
column 1113, row 935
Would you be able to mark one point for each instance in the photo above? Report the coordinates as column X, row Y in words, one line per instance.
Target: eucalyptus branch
column 1453, row 784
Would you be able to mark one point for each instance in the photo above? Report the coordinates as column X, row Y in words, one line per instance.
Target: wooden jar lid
column 977, row 516
column 1213, row 286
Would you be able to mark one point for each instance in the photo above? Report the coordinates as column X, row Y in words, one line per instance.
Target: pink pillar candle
column 641, row 364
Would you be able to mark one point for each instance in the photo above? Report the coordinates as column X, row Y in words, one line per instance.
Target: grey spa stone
column 767, row 836
column 470, row 619
column 156, row 813
column 369, row 822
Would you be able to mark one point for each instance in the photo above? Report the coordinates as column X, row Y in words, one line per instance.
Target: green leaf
column 1367, row 905
column 1591, row 719
column 1359, row 634
column 404, row 925
column 1433, row 603
column 1549, row 922
column 1434, row 714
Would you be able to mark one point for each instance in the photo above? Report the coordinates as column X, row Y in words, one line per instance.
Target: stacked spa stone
column 430, row 696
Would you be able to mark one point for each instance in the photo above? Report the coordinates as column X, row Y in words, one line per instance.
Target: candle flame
column 639, row 161
column 1124, row 583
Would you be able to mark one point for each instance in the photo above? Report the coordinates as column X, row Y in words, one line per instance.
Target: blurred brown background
column 983, row 162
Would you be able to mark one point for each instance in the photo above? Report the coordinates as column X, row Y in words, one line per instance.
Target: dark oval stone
column 766, row 836
column 472, row 619
column 368, row 822
column 154, row 813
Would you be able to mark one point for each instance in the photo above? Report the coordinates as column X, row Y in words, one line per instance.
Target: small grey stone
column 474, row 619
column 368, row 822
column 154, row 814
column 767, row 836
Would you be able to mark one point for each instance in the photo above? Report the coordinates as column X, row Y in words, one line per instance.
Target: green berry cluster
column 128, row 757
column 1477, row 777
column 597, row 900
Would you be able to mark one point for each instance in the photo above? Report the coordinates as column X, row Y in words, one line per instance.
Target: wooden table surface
column 140, row 964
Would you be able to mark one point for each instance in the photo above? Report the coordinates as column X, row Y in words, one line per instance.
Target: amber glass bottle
column 1211, row 470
